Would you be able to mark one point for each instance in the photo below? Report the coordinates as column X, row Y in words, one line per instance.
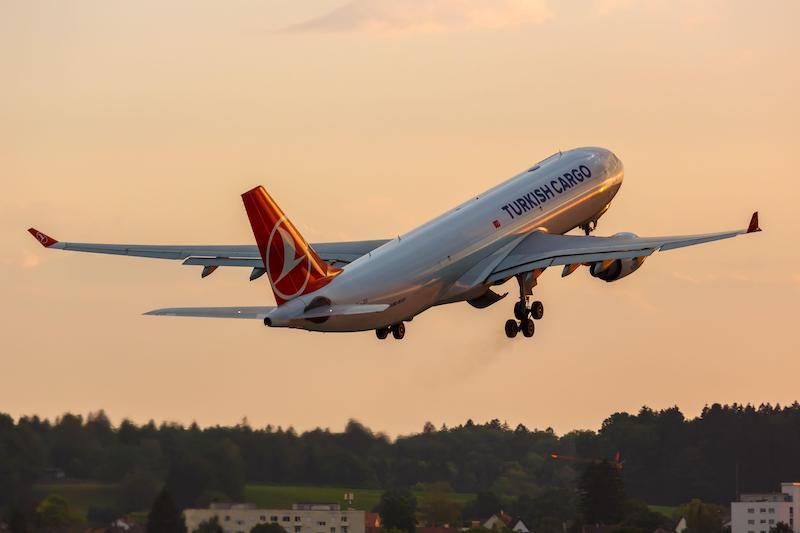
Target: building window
column 296, row 518
column 762, row 510
column 772, row 510
column 333, row 529
column 298, row 529
column 344, row 518
column 262, row 518
column 771, row 521
column 227, row 518
column 285, row 519
column 273, row 518
column 751, row 521
column 750, row 510
column 344, row 529
column 321, row 523
column 762, row 521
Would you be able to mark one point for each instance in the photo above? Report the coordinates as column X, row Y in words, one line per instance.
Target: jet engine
column 615, row 269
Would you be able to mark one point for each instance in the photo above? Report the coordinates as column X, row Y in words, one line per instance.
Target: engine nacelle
column 617, row 269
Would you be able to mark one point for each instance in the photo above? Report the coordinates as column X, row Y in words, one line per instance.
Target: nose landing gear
column 524, row 314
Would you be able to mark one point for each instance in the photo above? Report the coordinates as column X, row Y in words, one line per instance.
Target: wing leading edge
column 541, row 250
column 211, row 255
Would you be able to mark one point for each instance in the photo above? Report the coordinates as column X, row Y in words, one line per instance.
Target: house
column 759, row 513
column 503, row 520
column 301, row 518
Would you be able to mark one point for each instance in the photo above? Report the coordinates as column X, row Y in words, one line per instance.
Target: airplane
column 516, row 229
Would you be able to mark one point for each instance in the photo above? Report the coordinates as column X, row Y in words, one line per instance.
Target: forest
column 667, row 459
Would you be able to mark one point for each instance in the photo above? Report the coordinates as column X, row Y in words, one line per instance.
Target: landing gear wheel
column 399, row 330
column 537, row 310
column 511, row 328
column 527, row 327
column 382, row 333
column 520, row 311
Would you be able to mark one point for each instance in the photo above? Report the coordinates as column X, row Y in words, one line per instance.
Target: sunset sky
column 143, row 122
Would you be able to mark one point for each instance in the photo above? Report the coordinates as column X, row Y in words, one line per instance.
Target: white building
column 758, row 513
column 302, row 518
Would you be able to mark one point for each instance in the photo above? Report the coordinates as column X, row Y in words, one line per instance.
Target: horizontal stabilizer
column 215, row 312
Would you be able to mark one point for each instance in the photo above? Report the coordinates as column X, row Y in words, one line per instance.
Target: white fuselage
column 448, row 258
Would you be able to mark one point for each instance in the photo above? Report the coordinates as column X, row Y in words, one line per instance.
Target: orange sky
column 144, row 121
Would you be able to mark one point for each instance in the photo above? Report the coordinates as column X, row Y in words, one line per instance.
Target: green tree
column 601, row 494
column 54, row 512
column 137, row 490
column 17, row 521
column 702, row 517
column 781, row 527
column 398, row 509
column 209, row 526
column 637, row 514
column 266, row 528
column 482, row 507
column 437, row 506
column 165, row 517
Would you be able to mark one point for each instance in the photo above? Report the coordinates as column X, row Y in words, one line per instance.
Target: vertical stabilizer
column 293, row 268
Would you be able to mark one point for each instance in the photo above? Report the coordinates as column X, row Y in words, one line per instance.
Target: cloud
column 426, row 16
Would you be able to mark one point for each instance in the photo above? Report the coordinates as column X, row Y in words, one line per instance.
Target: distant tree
column 55, row 512
column 17, row 521
column 428, row 427
column 546, row 511
column 702, row 517
column 102, row 515
column 165, row 516
column 209, row 526
column 437, row 506
column 398, row 509
column 137, row 490
column 265, row 528
column 482, row 507
column 601, row 494
column 637, row 514
column 781, row 527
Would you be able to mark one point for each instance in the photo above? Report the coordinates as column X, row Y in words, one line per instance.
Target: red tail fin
column 292, row 265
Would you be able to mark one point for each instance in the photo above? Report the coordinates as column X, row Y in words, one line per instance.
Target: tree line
column 667, row 458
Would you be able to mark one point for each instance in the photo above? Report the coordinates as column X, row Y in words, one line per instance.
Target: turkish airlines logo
column 42, row 237
column 283, row 260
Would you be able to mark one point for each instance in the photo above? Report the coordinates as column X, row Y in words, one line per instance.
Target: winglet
column 753, row 227
column 45, row 240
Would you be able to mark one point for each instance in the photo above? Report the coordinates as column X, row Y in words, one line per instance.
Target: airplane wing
column 541, row 250
column 211, row 256
column 214, row 312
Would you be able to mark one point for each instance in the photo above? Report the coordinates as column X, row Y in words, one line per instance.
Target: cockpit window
column 533, row 168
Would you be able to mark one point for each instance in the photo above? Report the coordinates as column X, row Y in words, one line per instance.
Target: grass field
column 80, row 496
column 283, row 496
column 664, row 510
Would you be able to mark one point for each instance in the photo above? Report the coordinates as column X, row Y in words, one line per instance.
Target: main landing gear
column 398, row 331
column 524, row 314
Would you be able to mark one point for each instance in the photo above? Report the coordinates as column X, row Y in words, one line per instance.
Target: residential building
column 758, row 513
column 502, row 520
column 301, row 518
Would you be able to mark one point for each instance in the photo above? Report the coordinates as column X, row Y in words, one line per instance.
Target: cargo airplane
column 514, row 230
